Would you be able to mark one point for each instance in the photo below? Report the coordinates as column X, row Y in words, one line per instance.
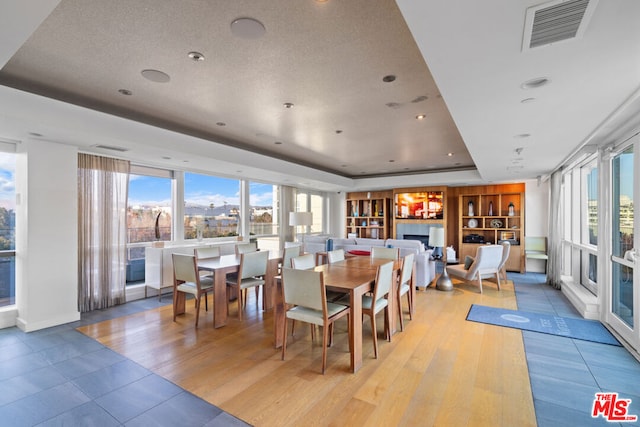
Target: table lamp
column 300, row 219
column 436, row 239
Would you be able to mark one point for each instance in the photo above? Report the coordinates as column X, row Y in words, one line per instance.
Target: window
column 211, row 206
column 149, row 201
column 7, row 229
column 314, row 203
column 264, row 199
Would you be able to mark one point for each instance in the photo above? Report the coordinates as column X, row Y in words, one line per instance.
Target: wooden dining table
column 355, row 276
column 225, row 264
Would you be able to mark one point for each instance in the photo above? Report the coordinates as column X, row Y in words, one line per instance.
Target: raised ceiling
column 347, row 127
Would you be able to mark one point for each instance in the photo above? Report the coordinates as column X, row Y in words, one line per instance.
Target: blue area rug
column 588, row 330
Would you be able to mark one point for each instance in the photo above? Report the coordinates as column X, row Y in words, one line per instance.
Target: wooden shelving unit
column 369, row 218
column 491, row 218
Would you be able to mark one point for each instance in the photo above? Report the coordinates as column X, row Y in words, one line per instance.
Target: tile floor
column 60, row 377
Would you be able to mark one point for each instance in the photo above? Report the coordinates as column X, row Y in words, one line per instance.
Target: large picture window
column 211, row 206
column 7, row 229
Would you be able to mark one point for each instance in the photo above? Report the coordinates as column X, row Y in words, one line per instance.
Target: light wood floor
column 441, row 371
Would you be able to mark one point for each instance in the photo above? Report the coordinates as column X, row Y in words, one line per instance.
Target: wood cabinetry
column 369, row 218
column 489, row 219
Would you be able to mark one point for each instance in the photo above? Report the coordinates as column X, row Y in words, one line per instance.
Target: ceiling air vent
column 112, row 148
column 556, row 21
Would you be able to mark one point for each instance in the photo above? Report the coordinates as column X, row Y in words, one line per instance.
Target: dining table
column 225, row 264
column 355, row 276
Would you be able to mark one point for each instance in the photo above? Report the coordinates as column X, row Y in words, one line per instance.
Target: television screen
column 428, row 205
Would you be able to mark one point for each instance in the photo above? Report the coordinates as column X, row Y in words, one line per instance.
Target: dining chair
column 243, row 248
column 251, row 272
column 186, row 279
column 380, row 252
column 378, row 301
column 335, row 255
column 404, row 287
column 303, row 262
column 484, row 265
column 289, row 253
column 206, row 253
column 304, row 291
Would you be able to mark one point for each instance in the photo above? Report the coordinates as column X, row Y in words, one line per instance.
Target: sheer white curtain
column 554, row 263
column 102, row 228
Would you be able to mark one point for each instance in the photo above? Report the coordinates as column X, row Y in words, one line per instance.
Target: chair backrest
column 204, row 253
column 243, row 248
column 488, row 258
column 535, row 244
column 385, row 253
column 407, row 268
column 384, row 280
column 289, row 253
column 335, row 255
column 253, row 264
column 506, row 248
column 303, row 262
column 304, row 288
column 184, row 269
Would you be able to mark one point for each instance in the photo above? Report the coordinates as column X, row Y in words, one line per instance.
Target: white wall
column 46, row 234
column 536, row 216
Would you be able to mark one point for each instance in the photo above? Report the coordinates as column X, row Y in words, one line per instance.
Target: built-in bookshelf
column 368, row 218
column 490, row 219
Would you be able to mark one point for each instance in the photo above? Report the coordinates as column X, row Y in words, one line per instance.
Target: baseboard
column 26, row 326
column 8, row 317
column 584, row 301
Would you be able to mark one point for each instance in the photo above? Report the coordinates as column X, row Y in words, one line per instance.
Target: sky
column 199, row 189
column 7, row 180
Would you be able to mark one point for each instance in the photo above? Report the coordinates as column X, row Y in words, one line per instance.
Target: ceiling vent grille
column 112, row 148
column 557, row 21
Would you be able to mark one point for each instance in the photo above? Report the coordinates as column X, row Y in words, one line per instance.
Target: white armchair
column 486, row 264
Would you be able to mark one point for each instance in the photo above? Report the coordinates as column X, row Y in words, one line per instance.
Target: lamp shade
column 436, row 237
column 300, row 218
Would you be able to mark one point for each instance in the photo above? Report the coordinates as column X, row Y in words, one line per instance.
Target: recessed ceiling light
column 450, row 154
column 518, row 150
column 221, row 124
column 278, row 142
column 421, row 116
column 196, row 56
column 535, row 83
column 419, row 99
column 185, row 161
column 247, row 28
column 522, row 135
column 391, row 161
column 166, row 157
column 457, row 164
column 126, row 92
column 527, row 100
column 288, row 105
column 389, row 78
column 35, row 134
column 344, row 166
column 155, row 76
column 338, row 131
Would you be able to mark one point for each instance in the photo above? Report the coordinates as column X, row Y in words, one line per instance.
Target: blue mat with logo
column 588, row 330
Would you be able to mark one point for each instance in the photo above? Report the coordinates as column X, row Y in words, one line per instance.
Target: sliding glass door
column 624, row 292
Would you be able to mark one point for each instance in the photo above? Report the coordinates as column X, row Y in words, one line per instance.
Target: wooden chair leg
column 480, row 283
column 498, row 279
column 206, row 301
column 198, row 298
column 325, row 333
column 387, row 329
column 374, row 332
column 284, row 336
column 240, row 304
column 399, row 300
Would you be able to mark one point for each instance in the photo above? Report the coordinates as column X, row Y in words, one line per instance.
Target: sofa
column 425, row 268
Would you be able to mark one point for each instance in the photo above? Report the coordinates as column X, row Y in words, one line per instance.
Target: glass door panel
column 624, row 283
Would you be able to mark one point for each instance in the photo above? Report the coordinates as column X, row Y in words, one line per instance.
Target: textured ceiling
column 328, row 59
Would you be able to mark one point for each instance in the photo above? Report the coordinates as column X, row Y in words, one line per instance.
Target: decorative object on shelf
column 511, row 209
column 473, row 223
column 436, row 239
column 300, row 219
column 490, row 209
column 157, row 226
column 496, row 223
column 471, row 208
